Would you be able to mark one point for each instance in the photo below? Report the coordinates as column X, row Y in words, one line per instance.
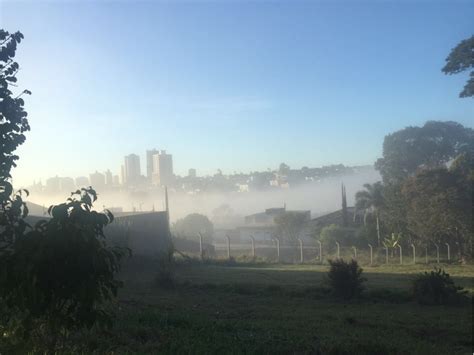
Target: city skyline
column 114, row 178
column 231, row 86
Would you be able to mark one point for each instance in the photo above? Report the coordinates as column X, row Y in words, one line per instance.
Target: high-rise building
column 149, row 163
column 131, row 170
column 163, row 169
column 192, row 173
column 109, row 178
column 60, row 185
column 82, row 181
column 97, row 180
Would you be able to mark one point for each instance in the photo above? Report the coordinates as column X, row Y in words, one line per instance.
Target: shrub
column 345, row 278
column 61, row 273
column 436, row 287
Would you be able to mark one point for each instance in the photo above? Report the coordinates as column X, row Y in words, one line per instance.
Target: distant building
column 192, row 173
column 60, row 185
column 82, row 181
column 97, row 180
column 265, row 218
column 116, row 180
column 163, row 169
column 109, row 181
column 131, row 170
column 149, row 163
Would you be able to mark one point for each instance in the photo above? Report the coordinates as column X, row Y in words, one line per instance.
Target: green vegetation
column 276, row 308
column 425, row 197
column 436, row 287
column 192, row 225
column 461, row 59
column 345, row 278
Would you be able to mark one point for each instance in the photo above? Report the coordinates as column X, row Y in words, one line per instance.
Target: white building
column 163, row 169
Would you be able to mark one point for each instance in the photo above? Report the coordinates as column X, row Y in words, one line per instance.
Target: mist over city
column 236, row 177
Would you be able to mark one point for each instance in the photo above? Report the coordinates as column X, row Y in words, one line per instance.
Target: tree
column 289, row 225
column 439, row 204
column 413, row 148
column 13, row 125
column 193, row 224
column 333, row 233
column 371, row 200
column 461, row 59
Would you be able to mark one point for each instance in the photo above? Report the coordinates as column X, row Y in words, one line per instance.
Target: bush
column 61, row 273
column 436, row 287
column 345, row 278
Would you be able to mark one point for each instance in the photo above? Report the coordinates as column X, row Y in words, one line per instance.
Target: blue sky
column 231, row 85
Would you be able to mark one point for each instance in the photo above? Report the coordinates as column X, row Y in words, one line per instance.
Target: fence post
column 253, row 245
column 401, row 256
column 277, row 241
column 371, row 260
column 338, row 250
column 414, row 253
column 301, row 250
column 200, row 245
column 355, row 252
column 437, row 252
column 386, row 255
column 449, row 252
column 320, row 251
column 228, row 246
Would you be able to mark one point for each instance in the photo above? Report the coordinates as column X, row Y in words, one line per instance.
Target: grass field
column 279, row 309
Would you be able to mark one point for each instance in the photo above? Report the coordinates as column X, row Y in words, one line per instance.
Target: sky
column 231, row 85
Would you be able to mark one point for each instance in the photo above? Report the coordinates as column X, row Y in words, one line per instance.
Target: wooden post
column 414, row 253
column 253, row 246
column 449, row 252
column 338, row 250
column 320, row 251
column 355, row 253
column 228, row 246
column 301, row 250
column 371, row 257
column 401, row 256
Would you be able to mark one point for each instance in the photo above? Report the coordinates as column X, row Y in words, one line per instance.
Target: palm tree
column 371, row 200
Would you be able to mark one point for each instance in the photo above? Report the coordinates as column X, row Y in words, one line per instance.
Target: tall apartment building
column 131, row 169
column 97, row 180
column 60, row 184
column 109, row 178
column 82, row 181
column 149, row 163
column 163, row 169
